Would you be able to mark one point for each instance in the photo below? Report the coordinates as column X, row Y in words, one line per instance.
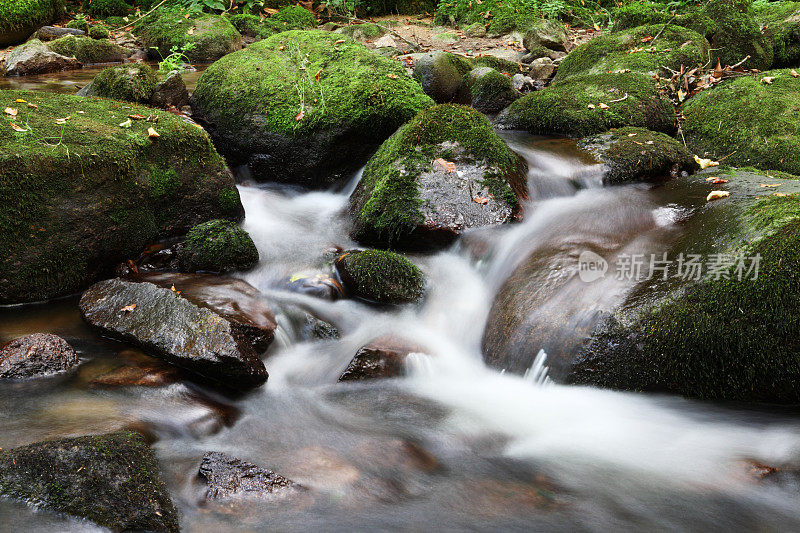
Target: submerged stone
column 229, row 478
column 39, row 354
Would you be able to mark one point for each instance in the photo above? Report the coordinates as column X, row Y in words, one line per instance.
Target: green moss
column 79, row 23
column 99, row 31
column 106, row 8
column 506, row 16
column 387, row 204
column 362, row 31
column 562, row 108
column 164, row 183
column 212, row 36
column 252, row 26
column 500, row 65
column 633, row 14
column 616, row 52
column 781, row 21
column 229, row 200
column 115, row 22
column 20, row 18
column 737, row 34
column 293, row 18
column 492, row 92
column 88, row 50
column 218, row 246
column 380, row 276
column 368, row 8
column 132, row 83
column 81, row 193
column 747, row 122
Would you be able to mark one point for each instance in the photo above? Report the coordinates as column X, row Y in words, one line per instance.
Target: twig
column 390, row 30
column 130, row 24
column 664, row 28
column 619, row 99
column 740, row 63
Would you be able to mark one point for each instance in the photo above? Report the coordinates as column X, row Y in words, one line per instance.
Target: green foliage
column 747, row 122
column 176, row 59
column 782, row 28
column 563, row 108
column 380, row 276
column 132, row 83
column 88, row 50
column 366, row 8
column 99, row 31
column 219, row 246
column 505, row 16
column 107, row 8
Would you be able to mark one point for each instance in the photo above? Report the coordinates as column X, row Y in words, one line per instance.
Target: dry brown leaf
column 793, row 73
column 392, row 76
column 187, row 15
column 716, row 195
column 779, row 194
column 591, row 106
column 448, row 166
column 480, row 200
column 33, row 106
column 770, row 185
column 137, row 117
column 18, row 128
column 316, row 76
column 298, row 117
column 603, row 106
column 767, row 80
column 128, row 308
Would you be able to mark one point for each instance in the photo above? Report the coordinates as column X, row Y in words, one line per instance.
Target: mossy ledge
column 88, row 193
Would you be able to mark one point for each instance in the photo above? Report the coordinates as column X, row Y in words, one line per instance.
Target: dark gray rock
column 170, row 327
column 229, row 478
column 39, row 354
column 48, row 33
column 34, row 57
column 383, row 357
column 171, row 92
column 110, row 479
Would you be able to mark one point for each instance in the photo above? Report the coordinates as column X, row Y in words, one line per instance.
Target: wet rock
column 317, row 285
column 110, row 479
column 212, row 36
column 367, row 97
column 316, row 329
column 172, row 328
column 130, row 83
column 380, row 276
column 80, row 212
column 34, row 57
column 546, row 33
column 231, row 478
column 142, row 375
column 441, row 75
column 637, row 154
column 490, row 91
column 444, row 172
column 171, row 92
column 542, row 69
column 387, row 41
column 524, row 84
column 218, row 246
column 39, row 354
column 88, row 50
column 49, row 33
column 383, row 357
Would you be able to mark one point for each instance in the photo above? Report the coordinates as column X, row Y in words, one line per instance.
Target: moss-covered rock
column 408, row 197
column 110, row 479
column 380, row 276
column 88, row 50
column 210, row 36
column 107, row 8
column 748, row 122
column 79, row 23
column 624, row 51
column 564, row 108
column 644, row 13
column 781, row 22
column 490, row 91
column 638, row 154
column 732, row 333
column 252, row 26
column 131, row 83
column 441, row 75
column 314, row 110
column 86, row 194
column 549, row 34
column 735, row 34
column 34, row 57
column 218, row 246
column 362, row 32
column 293, row 18
column 99, row 31
column 506, row 16
column 20, row 18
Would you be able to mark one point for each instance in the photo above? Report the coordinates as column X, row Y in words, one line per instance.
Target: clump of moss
column 229, row 200
column 633, row 14
column 781, row 21
column 107, row 8
column 380, row 276
column 504, row 66
column 491, row 91
column 623, row 51
column 79, row 23
column 218, row 246
column 638, row 154
column 22, row 17
column 211, row 36
column 99, row 31
column 362, row 32
column 386, row 207
column 131, row 83
column 563, row 108
column 251, row 26
column 292, row 18
column 737, row 34
column 747, row 122
column 88, row 50
column 164, row 183
column 506, row 16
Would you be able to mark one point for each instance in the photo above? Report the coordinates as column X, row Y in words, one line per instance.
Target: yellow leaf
column 128, row 308
column 191, row 31
column 794, row 73
column 716, row 195
column 779, row 194
column 705, row 163
column 591, row 106
column 770, row 184
column 20, row 101
column 767, row 80
column 152, row 133
column 603, row 106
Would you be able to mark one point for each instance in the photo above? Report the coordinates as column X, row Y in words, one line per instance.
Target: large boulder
column 34, row 57
column 637, row 154
column 218, row 246
column 748, row 121
column 83, row 193
column 229, row 478
column 39, row 354
column 21, row 18
column 173, row 328
column 442, row 173
column 781, row 22
column 587, row 105
column 380, row 276
column 490, row 91
column 130, row 83
column 315, row 109
column 731, row 332
column 630, row 51
column 735, row 35
column 111, row 479
column 441, row 75
column 87, row 50
column 207, row 37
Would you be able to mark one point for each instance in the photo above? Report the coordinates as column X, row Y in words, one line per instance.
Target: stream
column 455, row 445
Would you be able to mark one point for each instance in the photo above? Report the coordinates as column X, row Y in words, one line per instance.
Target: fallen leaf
column 392, row 76
column 20, row 101
column 176, row 291
column 705, row 163
column 647, row 39
column 190, row 32
column 33, row 106
column 794, row 73
column 480, row 200
column 448, row 166
column 137, row 117
column 631, row 135
column 128, row 308
column 10, row 111
column 300, row 115
column 603, row 106
column 779, row 194
column 716, row 181
column 62, row 121
column 716, row 195
column 340, row 41
column 767, row 80
column 126, row 124
column 15, row 127
column 152, row 133
column 591, row 106
column 187, row 15
column 81, row 112
column 316, row 76
column 770, row 185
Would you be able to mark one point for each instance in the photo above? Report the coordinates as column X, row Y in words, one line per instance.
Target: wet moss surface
column 381, row 276
column 131, row 83
column 218, row 246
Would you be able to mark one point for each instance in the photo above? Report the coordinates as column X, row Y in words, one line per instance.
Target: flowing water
column 455, row 445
